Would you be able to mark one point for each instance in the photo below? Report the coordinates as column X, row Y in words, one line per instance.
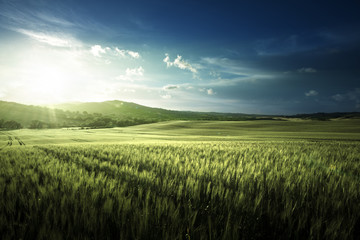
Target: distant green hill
column 132, row 110
column 120, row 113
column 327, row 116
column 100, row 114
column 117, row 108
column 25, row 114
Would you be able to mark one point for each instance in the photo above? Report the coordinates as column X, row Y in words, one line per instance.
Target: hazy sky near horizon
column 269, row 57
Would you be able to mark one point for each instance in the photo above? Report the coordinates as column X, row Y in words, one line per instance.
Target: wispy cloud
column 132, row 74
column 120, row 52
column 43, row 25
column 311, row 93
column 307, row 70
column 171, row 87
column 166, row 96
column 338, row 97
column 100, row 51
column 208, row 91
column 46, row 38
column 42, row 20
column 225, row 66
column 179, row 63
column 228, row 72
column 48, row 16
column 353, row 95
column 274, row 46
column 37, row 19
column 53, row 19
column 285, row 45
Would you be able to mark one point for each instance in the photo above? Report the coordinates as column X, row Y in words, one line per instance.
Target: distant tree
column 52, row 125
column 11, row 125
column 36, row 124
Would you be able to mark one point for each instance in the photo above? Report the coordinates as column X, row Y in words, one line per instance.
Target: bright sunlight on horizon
column 222, row 57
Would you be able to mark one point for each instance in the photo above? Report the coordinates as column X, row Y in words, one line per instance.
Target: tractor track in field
column 8, row 144
column 21, row 143
column 11, row 141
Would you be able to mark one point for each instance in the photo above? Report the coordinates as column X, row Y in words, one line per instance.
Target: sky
column 260, row 57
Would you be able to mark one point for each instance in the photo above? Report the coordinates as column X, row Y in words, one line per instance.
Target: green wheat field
column 297, row 179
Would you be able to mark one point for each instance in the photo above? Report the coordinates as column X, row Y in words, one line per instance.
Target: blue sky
column 267, row 57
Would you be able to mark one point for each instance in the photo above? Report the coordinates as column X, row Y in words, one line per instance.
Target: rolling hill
column 133, row 110
column 25, row 114
column 119, row 113
column 100, row 114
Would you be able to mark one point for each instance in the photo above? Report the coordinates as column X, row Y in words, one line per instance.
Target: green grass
column 183, row 180
column 195, row 130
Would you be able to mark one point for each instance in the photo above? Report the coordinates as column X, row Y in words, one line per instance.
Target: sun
column 46, row 76
column 48, row 82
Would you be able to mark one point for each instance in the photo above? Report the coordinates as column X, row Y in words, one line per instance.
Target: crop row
column 216, row 190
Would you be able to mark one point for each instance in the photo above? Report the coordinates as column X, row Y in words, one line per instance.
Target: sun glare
column 48, row 81
column 47, row 75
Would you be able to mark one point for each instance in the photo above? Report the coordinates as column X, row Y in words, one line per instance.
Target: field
column 183, row 180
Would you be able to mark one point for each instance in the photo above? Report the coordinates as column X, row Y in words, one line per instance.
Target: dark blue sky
column 272, row 57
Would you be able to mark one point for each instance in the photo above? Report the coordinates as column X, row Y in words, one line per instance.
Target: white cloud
column 46, row 38
column 133, row 54
column 179, row 63
column 183, row 65
column 167, row 60
column 96, row 50
column 131, row 74
column 210, row 91
column 135, row 71
column 311, row 93
column 307, row 70
column 166, row 96
column 125, row 53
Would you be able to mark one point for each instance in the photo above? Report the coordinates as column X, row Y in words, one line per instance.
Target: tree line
column 91, row 122
column 11, row 124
